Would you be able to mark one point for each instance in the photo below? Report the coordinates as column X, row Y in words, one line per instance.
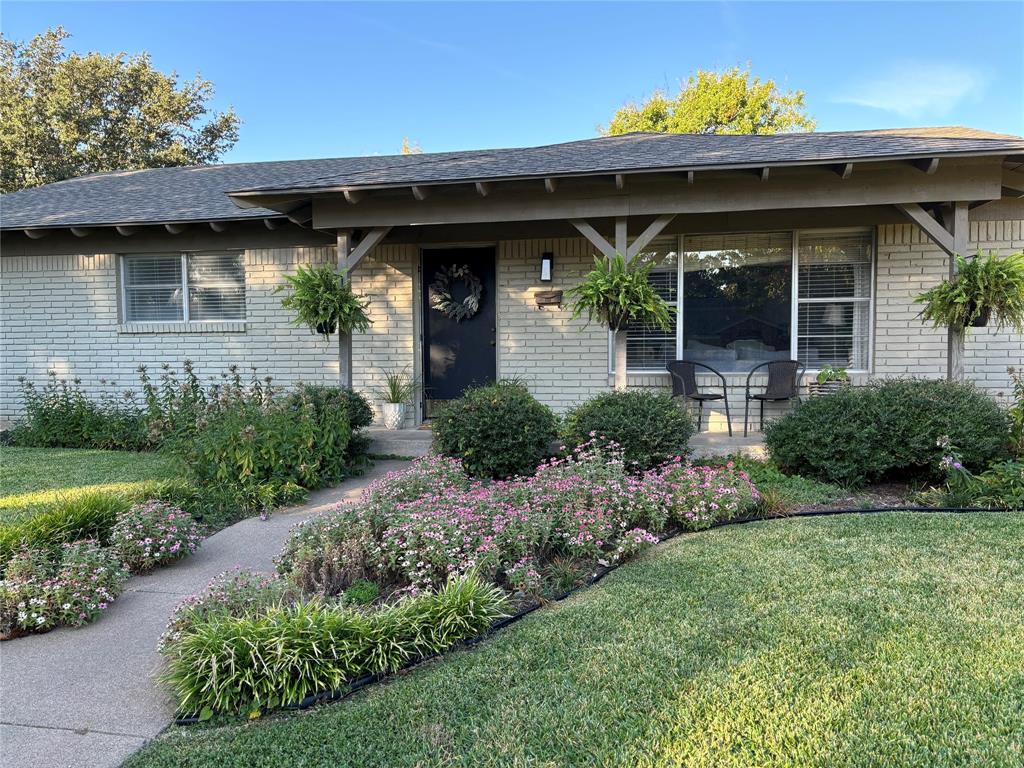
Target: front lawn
column 30, row 477
column 847, row 641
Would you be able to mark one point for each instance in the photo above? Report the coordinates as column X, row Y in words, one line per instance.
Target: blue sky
column 331, row 79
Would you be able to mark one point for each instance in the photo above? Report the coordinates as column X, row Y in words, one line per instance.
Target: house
column 808, row 245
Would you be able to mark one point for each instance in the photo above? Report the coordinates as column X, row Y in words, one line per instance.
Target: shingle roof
column 202, row 192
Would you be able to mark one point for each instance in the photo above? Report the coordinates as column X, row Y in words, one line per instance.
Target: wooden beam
column 929, row 165
column 344, row 246
column 367, row 244
column 939, row 234
column 690, row 175
column 844, row 171
column 79, row 231
column 301, row 215
column 126, row 231
column 622, row 237
column 36, row 234
column 620, row 181
column 483, row 188
column 1013, row 180
column 420, row 193
column 871, row 185
column 353, row 196
column 595, row 237
column 653, row 230
column 550, row 184
column 218, row 226
column 175, row 229
column 959, row 226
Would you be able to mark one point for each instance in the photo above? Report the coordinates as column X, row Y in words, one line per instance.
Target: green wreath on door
column 441, row 293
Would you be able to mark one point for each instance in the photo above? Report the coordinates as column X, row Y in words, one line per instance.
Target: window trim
column 185, row 320
column 794, row 298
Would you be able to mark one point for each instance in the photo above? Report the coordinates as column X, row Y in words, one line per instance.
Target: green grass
column 848, row 641
column 34, row 478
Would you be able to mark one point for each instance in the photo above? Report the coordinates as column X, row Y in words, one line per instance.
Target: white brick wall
column 387, row 278
column 61, row 313
column 908, row 264
column 563, row 361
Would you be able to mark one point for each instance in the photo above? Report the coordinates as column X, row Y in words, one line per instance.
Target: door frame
column 423, row 308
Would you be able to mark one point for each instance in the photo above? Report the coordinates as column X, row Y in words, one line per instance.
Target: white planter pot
column 394, row 415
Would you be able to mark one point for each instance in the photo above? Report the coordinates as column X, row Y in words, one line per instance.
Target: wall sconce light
column 547, row 262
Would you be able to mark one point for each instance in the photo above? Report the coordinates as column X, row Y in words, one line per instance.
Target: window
column 649, row 347
column 186, row 287
column 737, row 293
column 834, row 299
column 749, row 298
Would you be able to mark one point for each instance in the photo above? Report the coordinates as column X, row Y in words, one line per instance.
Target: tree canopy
column 67, row 115
column 731, row 101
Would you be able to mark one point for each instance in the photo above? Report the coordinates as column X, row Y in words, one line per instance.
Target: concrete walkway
column 85, row 698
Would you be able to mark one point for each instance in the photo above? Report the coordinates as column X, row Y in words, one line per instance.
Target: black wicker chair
column 684, row 384
column 783, row 384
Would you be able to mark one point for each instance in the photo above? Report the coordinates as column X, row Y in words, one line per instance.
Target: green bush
column 498, row 430
column 650, row 427
column 268, row 451
column 281, row 654
column 61, row 416
column 887, row 430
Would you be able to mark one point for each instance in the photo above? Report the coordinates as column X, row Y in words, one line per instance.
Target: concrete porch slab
column 706, row 445
column 400, row 442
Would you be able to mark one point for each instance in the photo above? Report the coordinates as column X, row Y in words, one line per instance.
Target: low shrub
column 1016, row 412
column 60, row 415
column 887, row 430
column 154, row 533
column 649, row 427
column 1001, row 486
column 499, row 430
column 281, row 654
column 38, row 593
column 779, row 491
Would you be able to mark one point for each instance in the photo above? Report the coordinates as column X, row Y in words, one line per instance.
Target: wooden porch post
column 344, row 339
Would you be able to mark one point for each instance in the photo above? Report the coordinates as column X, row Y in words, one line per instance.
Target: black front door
column 459, row 333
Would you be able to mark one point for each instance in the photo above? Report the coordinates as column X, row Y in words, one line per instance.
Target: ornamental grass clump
column 154, row 533
column 281, row 654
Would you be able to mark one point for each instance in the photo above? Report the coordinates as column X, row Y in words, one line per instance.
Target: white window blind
column 834, row 299
column 153, row 288
column 183, row 287
column 216, row 286
column 649, row 347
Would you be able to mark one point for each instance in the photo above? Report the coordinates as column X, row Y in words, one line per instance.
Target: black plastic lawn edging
column 342, row 693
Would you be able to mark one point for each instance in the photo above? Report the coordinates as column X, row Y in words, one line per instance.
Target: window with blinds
column 834, row 299
column 649, row 348
column 183, row 287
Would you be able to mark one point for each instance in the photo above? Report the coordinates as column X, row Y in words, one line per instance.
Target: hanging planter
column 323, row 301
column 984, row 288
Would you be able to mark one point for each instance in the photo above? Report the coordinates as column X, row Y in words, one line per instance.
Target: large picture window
column 749, row 298
column 183, row 287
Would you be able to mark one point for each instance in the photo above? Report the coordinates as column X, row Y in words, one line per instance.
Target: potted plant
column 322, row 300
column 616, row 293
column 399, row 388
column 828, row 381
column 985, row 287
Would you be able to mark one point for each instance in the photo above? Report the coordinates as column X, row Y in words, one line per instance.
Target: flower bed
column 427, row 559
column 414, row 530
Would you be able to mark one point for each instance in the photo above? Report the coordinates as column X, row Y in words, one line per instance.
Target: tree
column 616, row 293
column 732, row 101
column 411, row 147
column 67, row 115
